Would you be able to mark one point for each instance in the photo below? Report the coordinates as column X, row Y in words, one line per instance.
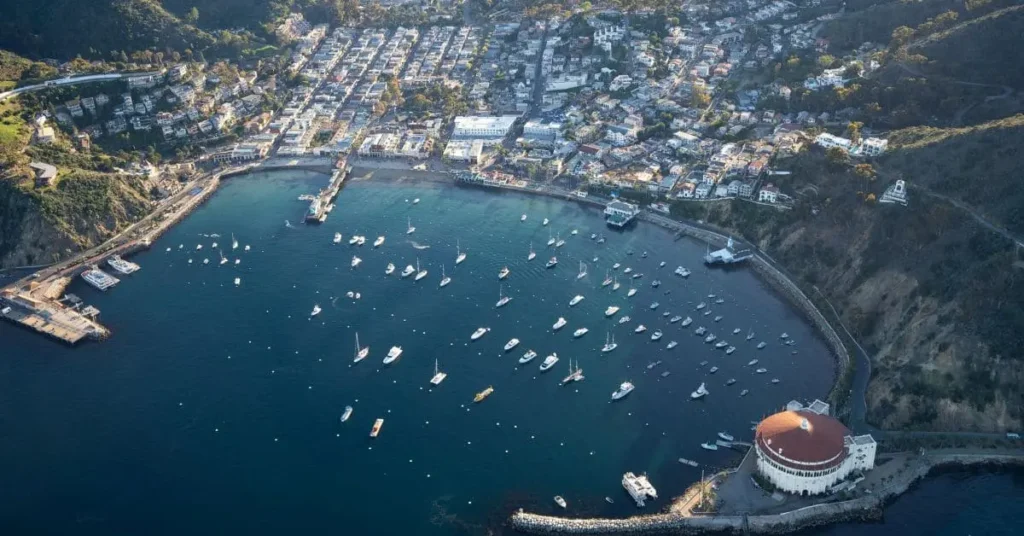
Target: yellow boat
column 483, row 394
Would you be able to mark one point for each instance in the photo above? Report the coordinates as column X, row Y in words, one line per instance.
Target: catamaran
column 390, row 269
column 609, row 343
column 559, row 324
column 611, row 310
column 527, row 357
column 393, row 354
column 337, row 238
column 478, row 333
column 533, row 254
column 316, row 310
column 583, row 271
column 361, row 353
column 379, row 241
column 410, row 229
column 549, row 362
column 576, row 299
column 502, row 299
column 420, row 274
column 459, row 255
column 552, row 262
column 438, row 375
column 503, row 273
column 444, row 279
column 607, row 279
column 623, row 390
column 512, row 343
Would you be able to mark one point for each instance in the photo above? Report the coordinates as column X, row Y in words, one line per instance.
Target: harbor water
column 214, row 407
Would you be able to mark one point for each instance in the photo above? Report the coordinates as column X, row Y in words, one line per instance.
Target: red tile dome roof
column 802, row 440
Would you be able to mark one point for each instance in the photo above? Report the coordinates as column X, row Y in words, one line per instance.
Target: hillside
column 933, row 295
column 66, row 28
column 979, row 50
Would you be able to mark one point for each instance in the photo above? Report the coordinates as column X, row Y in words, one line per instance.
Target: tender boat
column 624, row 319
column 622, row 391
column 337, row 238
column 611, row 310
column 558, row 498
column 316, row 310
column 503, row 273
column 394, row 353
column 559, row 324
column 576, row 299
column 511, row 344
column 478, row 333
column 379, row 241
column 483, row 394
column 640, row 329
column 527, row 357
column 552, row 262
column 656, row 335
column 375, row 431
column 390, row 269
column 549, row 362
column 701, row 392
column 347, row 414
column 609, row 343
column 361, row 352
column 709, row 446
column 580, row 332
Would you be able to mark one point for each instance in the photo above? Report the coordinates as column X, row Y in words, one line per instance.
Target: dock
column 730, row 254
column 50, row 317
column 321, row 204
column 620, row 213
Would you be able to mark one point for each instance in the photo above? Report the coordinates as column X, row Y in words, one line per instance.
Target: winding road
column 71, row 81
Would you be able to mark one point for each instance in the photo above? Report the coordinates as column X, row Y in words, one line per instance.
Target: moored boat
column 375, row 431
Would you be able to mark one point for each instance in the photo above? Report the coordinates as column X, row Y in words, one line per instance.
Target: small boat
column 656, row 335
column 710, row 338
column 713, row 370
column 730, row 381
column 559, row 324
column 483, row 394
column 709, row 446
column 671, row 345
column 214, row 245
column 576, row 299
column 720, row 301
column 444, row 278
column 656, row 283
column 686, row 322
column 545, row 222
column 361, row 352
column 522, row 218
column 790, row 342
column 416, row 201
column 674, row 319
column 238, row 281
column 409, row 270
column 611, row 310
column 775, row 380
column 701, row 330
column 730, row 350
column 503, row 273
column 637, row 276
column 644, row 254
column 575, row 232
column 701, row 305
column 247, row 248
column 761, row 370
column 190, row 261
column 580, row 332
column 735, row 331
column 661, row 264
column 752, row 363
column 707, row 312
column 616, row 266
column 701, row 392
column 600, row 239
column 551, row 263
column 379, row 241
column 627, row 270
column 583, row 271
column 206, row 261
column 375, row 431
column 718, row 318
column 420, row 274
column 559, row 501
column 721, row 344
column 761, row 345
column 394, row 353
column 347, row 414
column 354, row 240
column 593, row 236
column 390, row 269
column 478, row 333
column 654, row 305
column 615, row 283
column 409, row 228
column 609, row 500
column 238, row 261
column 685, row 461
column 502, row 299
column 609, row 343
column 750, row 335
column 653, row 364
column 549, row 362
column 459, row 255
column 316, row 310
column 624, row 319
column 744, row 392
column 640, row 329
column 511, row 344
column 527, row 357
column 356, row 261
column 631, row 292
column 533, row 254
column 726, row 437
column 623, row 390
column 337, row 238
column 784, row 336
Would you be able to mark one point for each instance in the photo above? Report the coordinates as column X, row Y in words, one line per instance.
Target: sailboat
column 444, row 279
column 607, row 279
column 615, row 283
column 438, row 375
column 583, row 271
column 533, row 254
column 420, row 274
column 410, row 229
column 609, row 343
column 575, row 375
column 502, row 299
column 361, row 353
column 559, row 243
column 551, row 239
column 234, row 243
column 750, row 335
column 459, row 255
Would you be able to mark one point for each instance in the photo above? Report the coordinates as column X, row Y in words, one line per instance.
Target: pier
column 620, row 213
column 730, row 254
column 322, row 203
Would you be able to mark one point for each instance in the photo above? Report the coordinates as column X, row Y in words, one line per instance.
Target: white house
column 768, row 194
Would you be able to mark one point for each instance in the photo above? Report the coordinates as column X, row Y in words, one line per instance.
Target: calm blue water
column 214, row 409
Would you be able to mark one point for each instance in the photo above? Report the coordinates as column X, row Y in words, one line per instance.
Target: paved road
column 71, row 81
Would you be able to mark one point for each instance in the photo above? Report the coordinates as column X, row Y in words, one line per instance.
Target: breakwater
column 864, row 508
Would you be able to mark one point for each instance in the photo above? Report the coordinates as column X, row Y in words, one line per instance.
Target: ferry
column 527, row 357
column 656, row 335
column 611, row 310
column 685, row 461
column 483, row 394
column 438, row 375
column 609, row 343
column 639, row 488
column 559, row 324
column 580, row 332
column 361, row 352
column 347, row 414
column 503, row 273
column 701, row 392
column 122, row 266
column 575, row 375
column 551, row 263
column 379, row 241
column 316, row 310
column 725, row 436
column 623, row 390
column 99, row 279
column 393, row 354
column 761, row 345
column 337, row 238
column 709, row 446
column 390, row 269
column 512, row 343
column 376, row 427
column 409, row 270
column 479, row 333
column 549, row 362
column 624, row 319
column 558, row 498
column 640, row 329
column 576, row 299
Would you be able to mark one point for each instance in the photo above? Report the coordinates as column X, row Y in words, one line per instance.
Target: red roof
column 816, row 441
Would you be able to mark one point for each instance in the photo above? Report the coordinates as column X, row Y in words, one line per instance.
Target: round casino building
column 805, row 451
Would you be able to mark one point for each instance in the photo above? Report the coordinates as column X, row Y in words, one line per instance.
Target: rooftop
column 811, row 440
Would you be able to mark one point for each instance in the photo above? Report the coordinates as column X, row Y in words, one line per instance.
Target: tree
column 192, row 17
column 853, row 131
column 901, row 35
column 865, row 171
column 699, row 97
column 826, row 60
column 837, row 157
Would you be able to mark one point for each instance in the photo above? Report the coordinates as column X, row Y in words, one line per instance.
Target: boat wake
column 417, row 245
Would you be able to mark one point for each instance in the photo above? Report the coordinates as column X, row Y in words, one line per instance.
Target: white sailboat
column 551, row 239
column 438, row 375
column 234, row 243
column 583, row 271
column 420, row 274
column 533, row 254
column 459, row 255
column 361, row 353
column 609, row 343
column 444, row 279
column 502, row 299
column 410, row 229
column 615, row 283
column 559, row 242
column 607, row 279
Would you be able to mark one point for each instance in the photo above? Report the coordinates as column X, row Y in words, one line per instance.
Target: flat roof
column 485, row 122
